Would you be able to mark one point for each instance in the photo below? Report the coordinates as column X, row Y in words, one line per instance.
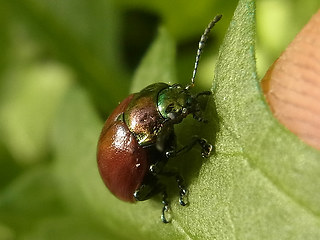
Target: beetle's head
column 175, row 103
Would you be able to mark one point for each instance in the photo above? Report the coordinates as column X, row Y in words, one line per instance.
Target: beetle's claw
column 165, row 208
column 171, row 154
column 182, row 203
column 206, row 148
column 183, row 194
column 163, row 215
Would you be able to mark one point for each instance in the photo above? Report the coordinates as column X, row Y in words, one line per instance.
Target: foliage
column 62, row 66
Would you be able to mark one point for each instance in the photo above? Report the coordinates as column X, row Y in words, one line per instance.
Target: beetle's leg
column 165, row 207
column 199, row 119
column 179, row 179
column 155, row 169
column 150, row 188
column 206, row 148
column 206, row 93
column 171, row 173
column 166, row 138
column 183, row 190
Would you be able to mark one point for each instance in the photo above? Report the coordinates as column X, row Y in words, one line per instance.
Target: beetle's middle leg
column 180, row 182
column 206, row 148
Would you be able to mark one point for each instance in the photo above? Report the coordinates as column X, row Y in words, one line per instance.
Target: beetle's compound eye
column 171, row 111
column 173, row 102
column 169, row 108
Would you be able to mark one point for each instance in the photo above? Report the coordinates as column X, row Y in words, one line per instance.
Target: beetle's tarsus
column 183, row 190
column 171, row 154
column 183, row 194
column 165, row 208
column 199, row 119
column 206, row 148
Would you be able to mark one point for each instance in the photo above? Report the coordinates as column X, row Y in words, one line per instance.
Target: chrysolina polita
column 138, row 138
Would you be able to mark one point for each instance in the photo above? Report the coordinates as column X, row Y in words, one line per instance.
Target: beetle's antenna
column 202, row 43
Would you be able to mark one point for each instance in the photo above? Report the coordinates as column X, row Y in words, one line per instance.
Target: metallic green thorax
column 142, row 116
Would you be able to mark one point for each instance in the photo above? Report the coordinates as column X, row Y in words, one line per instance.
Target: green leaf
column 251, row 188
column 261, row 182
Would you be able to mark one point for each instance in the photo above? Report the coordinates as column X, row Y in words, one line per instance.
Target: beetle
column 138, row 138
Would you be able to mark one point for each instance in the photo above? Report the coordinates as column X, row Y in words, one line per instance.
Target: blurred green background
column 52, row 50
